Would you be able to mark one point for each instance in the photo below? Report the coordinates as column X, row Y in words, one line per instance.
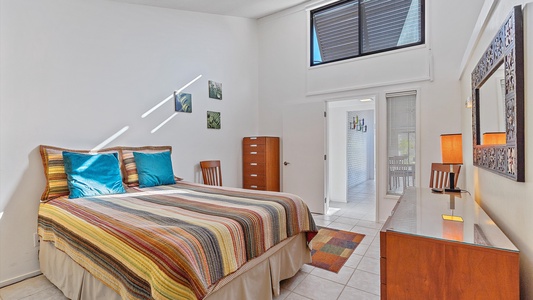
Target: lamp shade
column 494, row 138
column 452, row 148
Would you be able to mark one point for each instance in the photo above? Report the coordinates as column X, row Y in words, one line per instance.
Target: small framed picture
column 183, row 102
column 215, row 90
column 213, row 120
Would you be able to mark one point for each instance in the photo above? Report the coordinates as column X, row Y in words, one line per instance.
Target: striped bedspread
column 171, row 242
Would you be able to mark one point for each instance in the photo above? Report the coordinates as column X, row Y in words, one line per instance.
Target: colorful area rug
column 332, row 248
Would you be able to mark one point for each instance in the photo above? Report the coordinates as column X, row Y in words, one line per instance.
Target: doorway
column 351, row 166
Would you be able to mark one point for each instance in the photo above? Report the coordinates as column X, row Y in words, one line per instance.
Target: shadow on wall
column 198, row 174
column 22, row 208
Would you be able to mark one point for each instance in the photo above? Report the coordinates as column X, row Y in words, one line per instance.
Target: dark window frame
column 360, row 35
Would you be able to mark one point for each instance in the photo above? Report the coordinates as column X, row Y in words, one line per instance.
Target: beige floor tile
column 353, row 261
column 369, row 224
column 342, row 277
column 361, row 249
column 345, row 220
column 25, row 288
column 291, row 283
column 340, row 226
column 51, row 293
column 364, row 230
column 367, row 240
column 307, row 268
column 365, row 281
column 330, row 218
column 350, row 293
column 373, row 252
column 370, row 265
column 352, row 214
column 283, row 294
column 318, row 288
column 294, row 296
column 370, row 216
column 322, row 223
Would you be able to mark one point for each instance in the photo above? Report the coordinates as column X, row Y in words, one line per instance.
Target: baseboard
column 19, row 278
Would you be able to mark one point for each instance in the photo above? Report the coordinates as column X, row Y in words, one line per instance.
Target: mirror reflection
column 492, row 109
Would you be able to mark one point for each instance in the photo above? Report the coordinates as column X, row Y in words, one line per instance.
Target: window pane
column 401, row 142
column 336, row 31
column 388, row 24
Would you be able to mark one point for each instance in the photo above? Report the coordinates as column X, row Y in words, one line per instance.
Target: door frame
column 355, row 107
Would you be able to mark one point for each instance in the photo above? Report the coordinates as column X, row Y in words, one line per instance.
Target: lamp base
column 454, row 190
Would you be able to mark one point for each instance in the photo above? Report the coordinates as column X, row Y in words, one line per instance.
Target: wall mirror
column 498, row 102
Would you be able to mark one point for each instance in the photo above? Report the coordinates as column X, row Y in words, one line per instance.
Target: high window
column 348, row 29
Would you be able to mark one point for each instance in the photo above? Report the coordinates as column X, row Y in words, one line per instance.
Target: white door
column 303, row 153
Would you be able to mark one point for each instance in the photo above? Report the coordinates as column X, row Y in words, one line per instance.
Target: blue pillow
column 92, row 174
column 154, row 168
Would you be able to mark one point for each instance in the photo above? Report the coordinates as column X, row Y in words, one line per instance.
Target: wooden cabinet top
column 421, row 212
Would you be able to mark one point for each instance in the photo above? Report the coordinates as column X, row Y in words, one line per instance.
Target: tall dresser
column 260, row 170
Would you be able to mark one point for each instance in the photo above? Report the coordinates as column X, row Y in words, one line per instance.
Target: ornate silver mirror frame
column 507, row 47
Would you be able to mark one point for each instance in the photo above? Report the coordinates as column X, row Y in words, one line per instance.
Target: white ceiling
column 240, row 8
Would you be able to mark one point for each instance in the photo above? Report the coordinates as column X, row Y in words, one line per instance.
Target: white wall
column 508, row 203
column 431, row 69
column 75, row 72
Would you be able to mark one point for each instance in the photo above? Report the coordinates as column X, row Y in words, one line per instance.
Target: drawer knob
column 254, row 145
column 253, row 164
column 253, row 175
column 253, row 186
column 253, row 153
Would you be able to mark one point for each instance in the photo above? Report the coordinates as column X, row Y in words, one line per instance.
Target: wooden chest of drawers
column 260, row 163
column 424, row 256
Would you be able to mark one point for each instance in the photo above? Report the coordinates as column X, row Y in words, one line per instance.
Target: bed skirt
column 257, row 279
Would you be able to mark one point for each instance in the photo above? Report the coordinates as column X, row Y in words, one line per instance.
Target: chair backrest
column 398, row 160
column 440, row 175
column 211, row 172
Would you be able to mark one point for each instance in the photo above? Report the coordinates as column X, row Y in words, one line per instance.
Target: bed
column 174, row 241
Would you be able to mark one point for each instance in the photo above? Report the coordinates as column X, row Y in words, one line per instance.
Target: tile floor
column 358, row 279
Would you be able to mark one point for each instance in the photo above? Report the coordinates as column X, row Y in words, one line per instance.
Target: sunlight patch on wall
column 163, row 123
column 110, row 139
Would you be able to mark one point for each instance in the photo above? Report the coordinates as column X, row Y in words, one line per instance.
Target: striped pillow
column 129, row 171
column 54, row 170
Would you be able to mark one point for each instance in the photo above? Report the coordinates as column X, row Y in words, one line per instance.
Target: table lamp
column 494, row 138
column 452, row 154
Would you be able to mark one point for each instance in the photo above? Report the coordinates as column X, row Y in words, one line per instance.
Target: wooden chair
column 440, row 175
column 398, row 168
column 211, row 172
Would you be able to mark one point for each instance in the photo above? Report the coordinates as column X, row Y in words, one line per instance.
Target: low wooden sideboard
column 444, row 246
